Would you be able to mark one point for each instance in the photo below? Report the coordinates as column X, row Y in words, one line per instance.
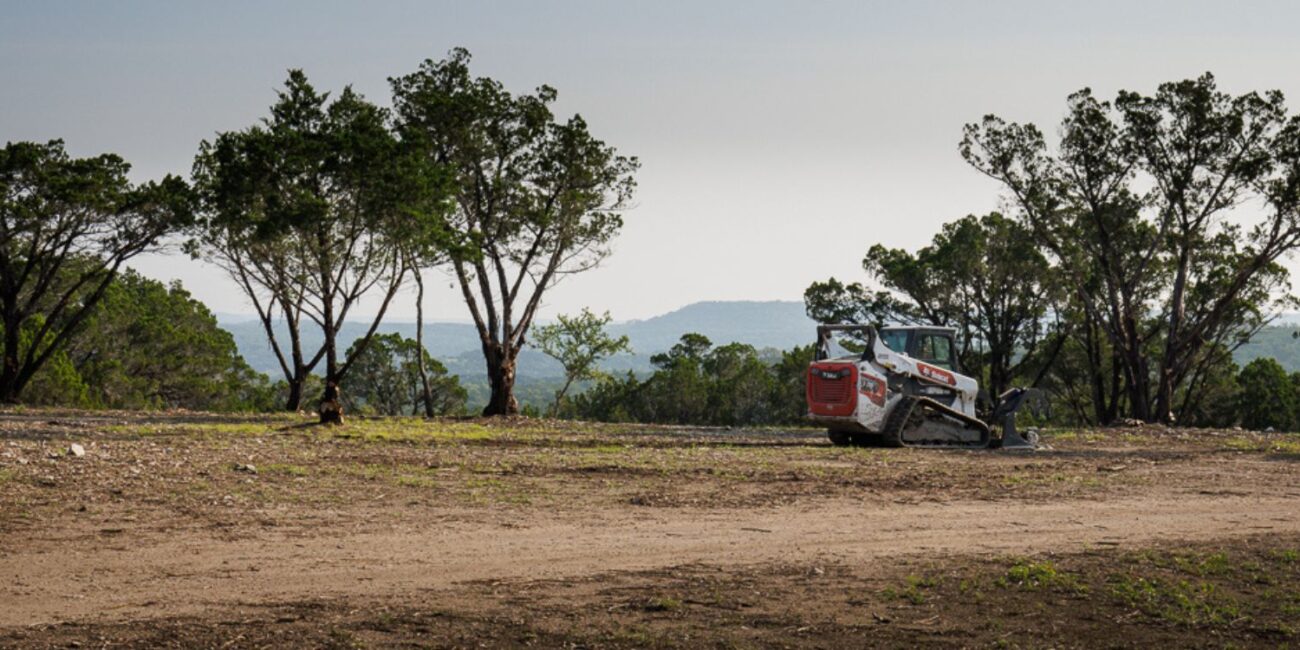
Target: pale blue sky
column 779, row 139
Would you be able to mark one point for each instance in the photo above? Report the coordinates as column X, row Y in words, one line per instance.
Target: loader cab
column 933, row 345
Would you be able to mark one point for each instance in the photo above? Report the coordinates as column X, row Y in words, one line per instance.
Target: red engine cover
column 832, row 389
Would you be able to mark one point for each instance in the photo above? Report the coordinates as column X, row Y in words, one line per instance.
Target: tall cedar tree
column 308, row 212
column 67, row 225
column 1169, row 276
column 540, row 199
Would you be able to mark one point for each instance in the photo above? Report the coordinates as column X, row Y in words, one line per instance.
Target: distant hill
column 772, row 324
column 1281, row 342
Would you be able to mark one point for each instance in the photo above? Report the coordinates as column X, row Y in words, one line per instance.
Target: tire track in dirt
column 190, row 572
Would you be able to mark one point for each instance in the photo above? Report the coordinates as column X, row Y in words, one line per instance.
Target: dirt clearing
column 191, row 530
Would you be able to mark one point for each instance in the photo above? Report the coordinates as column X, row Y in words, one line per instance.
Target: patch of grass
column 205, row 429
column 1287, row 447
column 485, row 484
column 913, row 590
column 1200, row 565
column 1240, row 443
column 1071, row 435
column 1059, row 435
column 663, row 604
column 423, row 482
column 1213, row 564
column 7, row 475
column 1180, row 602
column 1272, row 445
column 1034, row 576
column 409, row 430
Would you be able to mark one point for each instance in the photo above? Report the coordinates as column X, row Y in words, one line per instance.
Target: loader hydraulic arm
column 824, row 340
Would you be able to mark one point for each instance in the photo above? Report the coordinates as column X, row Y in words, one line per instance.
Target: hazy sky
column 779, row 140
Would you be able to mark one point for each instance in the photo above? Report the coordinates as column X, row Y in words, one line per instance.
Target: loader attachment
column 1004, row 416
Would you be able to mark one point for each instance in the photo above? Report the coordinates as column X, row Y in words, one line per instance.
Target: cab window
column 936, row 350
column 895, row 340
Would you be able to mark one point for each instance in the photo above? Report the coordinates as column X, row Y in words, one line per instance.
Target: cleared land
column 188, row 530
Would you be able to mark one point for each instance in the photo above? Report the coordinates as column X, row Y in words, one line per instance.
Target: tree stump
column 331, row 406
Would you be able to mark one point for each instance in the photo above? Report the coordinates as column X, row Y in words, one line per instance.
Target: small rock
column 76, row 450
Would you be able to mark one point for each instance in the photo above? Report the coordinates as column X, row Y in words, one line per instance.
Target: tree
column 541, row 199
column 1268, row 398
column 308, row 213
column 147, row 345
column 579, row 343
column 678, row 391
column 150, row 345
column 741, row 386
column 67, row 225
column 386, row 376
column 697, row 383
column 789, row 387
column 981, row 275
column 1169, row 277
column 1207, row 152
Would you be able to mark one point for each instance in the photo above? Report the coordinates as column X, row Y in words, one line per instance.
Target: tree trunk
column 1171, row 360
column 331, row 404
column 425, row 392
column 1096, row 376
column 501, row 377
column 559, row 396
column 9, row 387
column 294, row 403
column 1116, row 379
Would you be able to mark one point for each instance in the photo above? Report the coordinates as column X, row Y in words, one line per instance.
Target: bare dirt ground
column 194, row 530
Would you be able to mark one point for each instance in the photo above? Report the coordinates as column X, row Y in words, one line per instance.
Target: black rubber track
column 896, row 425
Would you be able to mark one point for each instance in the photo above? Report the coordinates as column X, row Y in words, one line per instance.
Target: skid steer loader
column 905, row 389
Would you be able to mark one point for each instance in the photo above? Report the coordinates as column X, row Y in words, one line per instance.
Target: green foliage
column 696, row 383
column 147, row 346
column 1180, row 602
column 579, row 343
column 1035, row 576
column 385, row 379
column 67, row 225
column 1268, row 397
